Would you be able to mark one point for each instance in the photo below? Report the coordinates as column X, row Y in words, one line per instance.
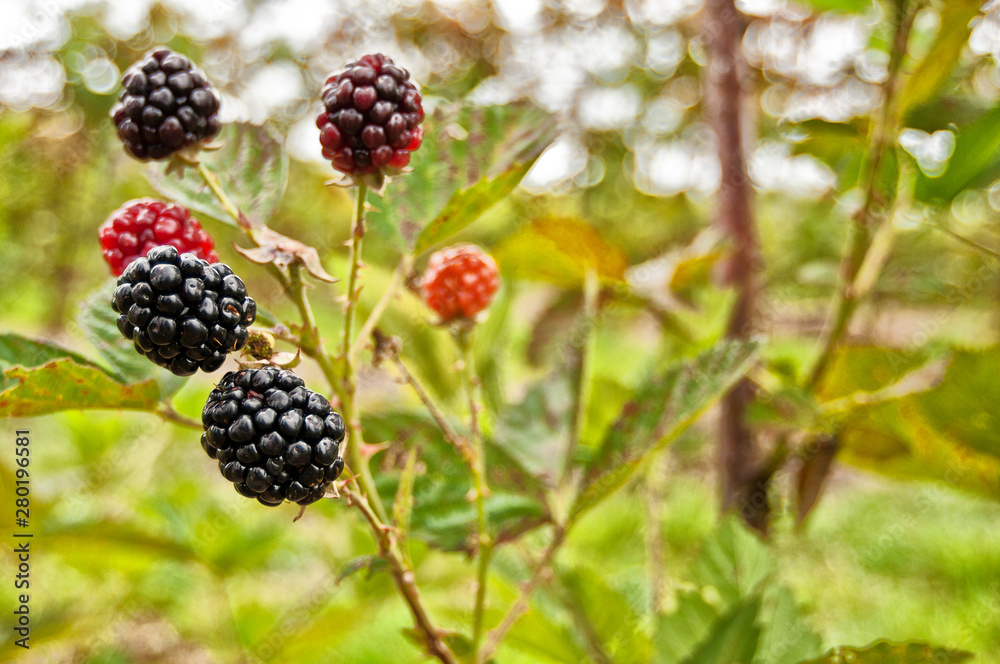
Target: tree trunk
column 723, row 27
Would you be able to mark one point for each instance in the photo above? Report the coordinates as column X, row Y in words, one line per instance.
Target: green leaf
column 16, row 350
column 559, row 250
column 734, row 562
column 945, row 433
column 99, row 324
column 734, row 638
column 607, row 613
column 936, row 67
column 884, row 652
column 252, row 166
column 734, row 567
column 463, row 145
column 467, row 205
column 679, row 633
column 663, row 408
column 536, row 430
column 975, row 162
column 67, row 385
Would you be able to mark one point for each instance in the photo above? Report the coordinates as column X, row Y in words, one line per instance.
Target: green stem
column 357, row 235
column 348, row 382
column 212, row 180
column 167, row 412
column 520, row 605
column 485, row 548
column 591, row 290
column 376, row 313
column 883, row 134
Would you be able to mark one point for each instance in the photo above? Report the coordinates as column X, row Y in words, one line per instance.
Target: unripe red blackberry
column 460, row 281
column 370, row 121
column 181, row 312
column 274, row 438
column 138, row 226
column 167, row 104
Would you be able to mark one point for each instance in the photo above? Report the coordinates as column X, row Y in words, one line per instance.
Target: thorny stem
column 463, row 337
column 590, row 292
column 403, row 577
column 435, row 411
column 376, row 313
column 520, row 605
column 347, row 389
column 883, row 133
column 342, row 384
column 357, row 235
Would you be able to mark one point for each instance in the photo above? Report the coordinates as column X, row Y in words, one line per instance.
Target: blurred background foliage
column 144, row 555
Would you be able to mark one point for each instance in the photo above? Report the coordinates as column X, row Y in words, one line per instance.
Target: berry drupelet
column 274, row 438
column 370, row 121
column 459, row 282
column 138, row 226
column 181, row 312
column 167, row 104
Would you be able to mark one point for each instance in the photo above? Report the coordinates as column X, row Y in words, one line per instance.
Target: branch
column 723, row 30
column 403, row 577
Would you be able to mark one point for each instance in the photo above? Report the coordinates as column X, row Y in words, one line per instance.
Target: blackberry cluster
column 138, row 226
column 460, row 281
column 181, row 312
column 370, row 122
column 274, row 438
column 167, row 105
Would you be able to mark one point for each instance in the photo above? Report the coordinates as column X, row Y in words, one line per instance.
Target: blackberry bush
column 181, row 312
column 274, row 438
column 459, row 282
column 370, row 122
column 138, row 226
column 167, row 104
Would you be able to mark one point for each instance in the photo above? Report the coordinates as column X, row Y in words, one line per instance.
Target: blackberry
column 370, row 122
column 460, row 281
column 167, row 104
column 138, row 226
column 182, row 312
column 273, row 437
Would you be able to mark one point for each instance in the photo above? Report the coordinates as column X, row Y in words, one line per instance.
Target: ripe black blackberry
column 181, row 312
column 167, row 105
column 274, row 438
column 370, row 122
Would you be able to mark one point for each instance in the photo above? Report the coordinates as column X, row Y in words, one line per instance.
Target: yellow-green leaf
column 65, row 384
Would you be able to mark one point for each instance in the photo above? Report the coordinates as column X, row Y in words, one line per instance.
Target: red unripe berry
column 139, row 225
column 460, row 281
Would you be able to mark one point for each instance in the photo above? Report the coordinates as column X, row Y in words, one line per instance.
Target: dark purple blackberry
column 167, row 104
column 370, row 122
column 274, row 438
column 181, row 312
